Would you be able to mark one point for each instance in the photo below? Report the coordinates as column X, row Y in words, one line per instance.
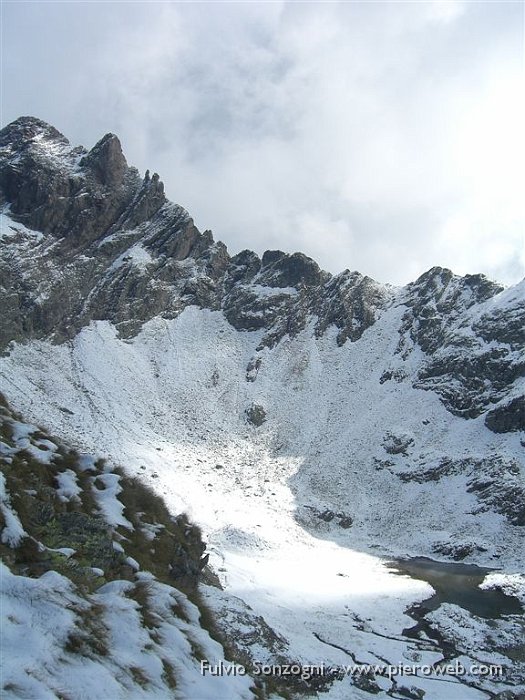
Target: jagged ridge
column 113, row 248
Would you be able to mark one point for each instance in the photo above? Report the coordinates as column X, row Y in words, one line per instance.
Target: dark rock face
column 249, row 310
column 397, row 444
column 242, row 268
column 437, row 298
column 64, row 191
column 457, row 552
column 507, row 418
column 88, row 239
column 473, row 358
column 495, row 481
column 469, row 383
column 252, row 370
column 344, row 520
column 106, row 161
column 352, row 303
column 282, row 270
column 256, row 415
column 187, row 560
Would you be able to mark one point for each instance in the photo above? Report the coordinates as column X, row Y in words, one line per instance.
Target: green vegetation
column 70, row 536
column 169, row 547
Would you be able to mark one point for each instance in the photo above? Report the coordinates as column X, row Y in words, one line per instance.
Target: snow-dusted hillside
column 81, row 617
column 314, row 426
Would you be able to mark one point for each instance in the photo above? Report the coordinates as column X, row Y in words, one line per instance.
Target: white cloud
column 445, row 10
column 383, row 137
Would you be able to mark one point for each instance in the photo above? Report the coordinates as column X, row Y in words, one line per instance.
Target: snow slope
column 171, row 404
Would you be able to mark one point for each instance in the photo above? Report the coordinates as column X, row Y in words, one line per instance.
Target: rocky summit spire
column 106, row 161
column 55, row 188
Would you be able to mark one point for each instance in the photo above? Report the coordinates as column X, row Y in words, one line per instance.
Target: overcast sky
column 384, row 137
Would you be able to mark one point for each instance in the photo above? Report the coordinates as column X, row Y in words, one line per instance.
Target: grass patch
column 138, row 497
column 179, row 612
column 168, row 674
column 141, row 593
column 175, row 552
column 90, row 638
column 139, row 676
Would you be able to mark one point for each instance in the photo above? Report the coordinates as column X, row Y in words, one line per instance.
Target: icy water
column 458, row 584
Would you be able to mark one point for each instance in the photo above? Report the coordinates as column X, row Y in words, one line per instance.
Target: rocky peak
column 242, row 268
column 444, row 290
column 437, row 298
column 63, row 191
column 26, row 130
column 352, row 302
column 270, row 257
column 472, row 333
column 106, row 161
column 282, row 270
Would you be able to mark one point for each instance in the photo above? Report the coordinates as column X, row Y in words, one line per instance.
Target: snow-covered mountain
column 314, row 426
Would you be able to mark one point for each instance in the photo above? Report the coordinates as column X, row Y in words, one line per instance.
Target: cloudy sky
column 385, row 137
